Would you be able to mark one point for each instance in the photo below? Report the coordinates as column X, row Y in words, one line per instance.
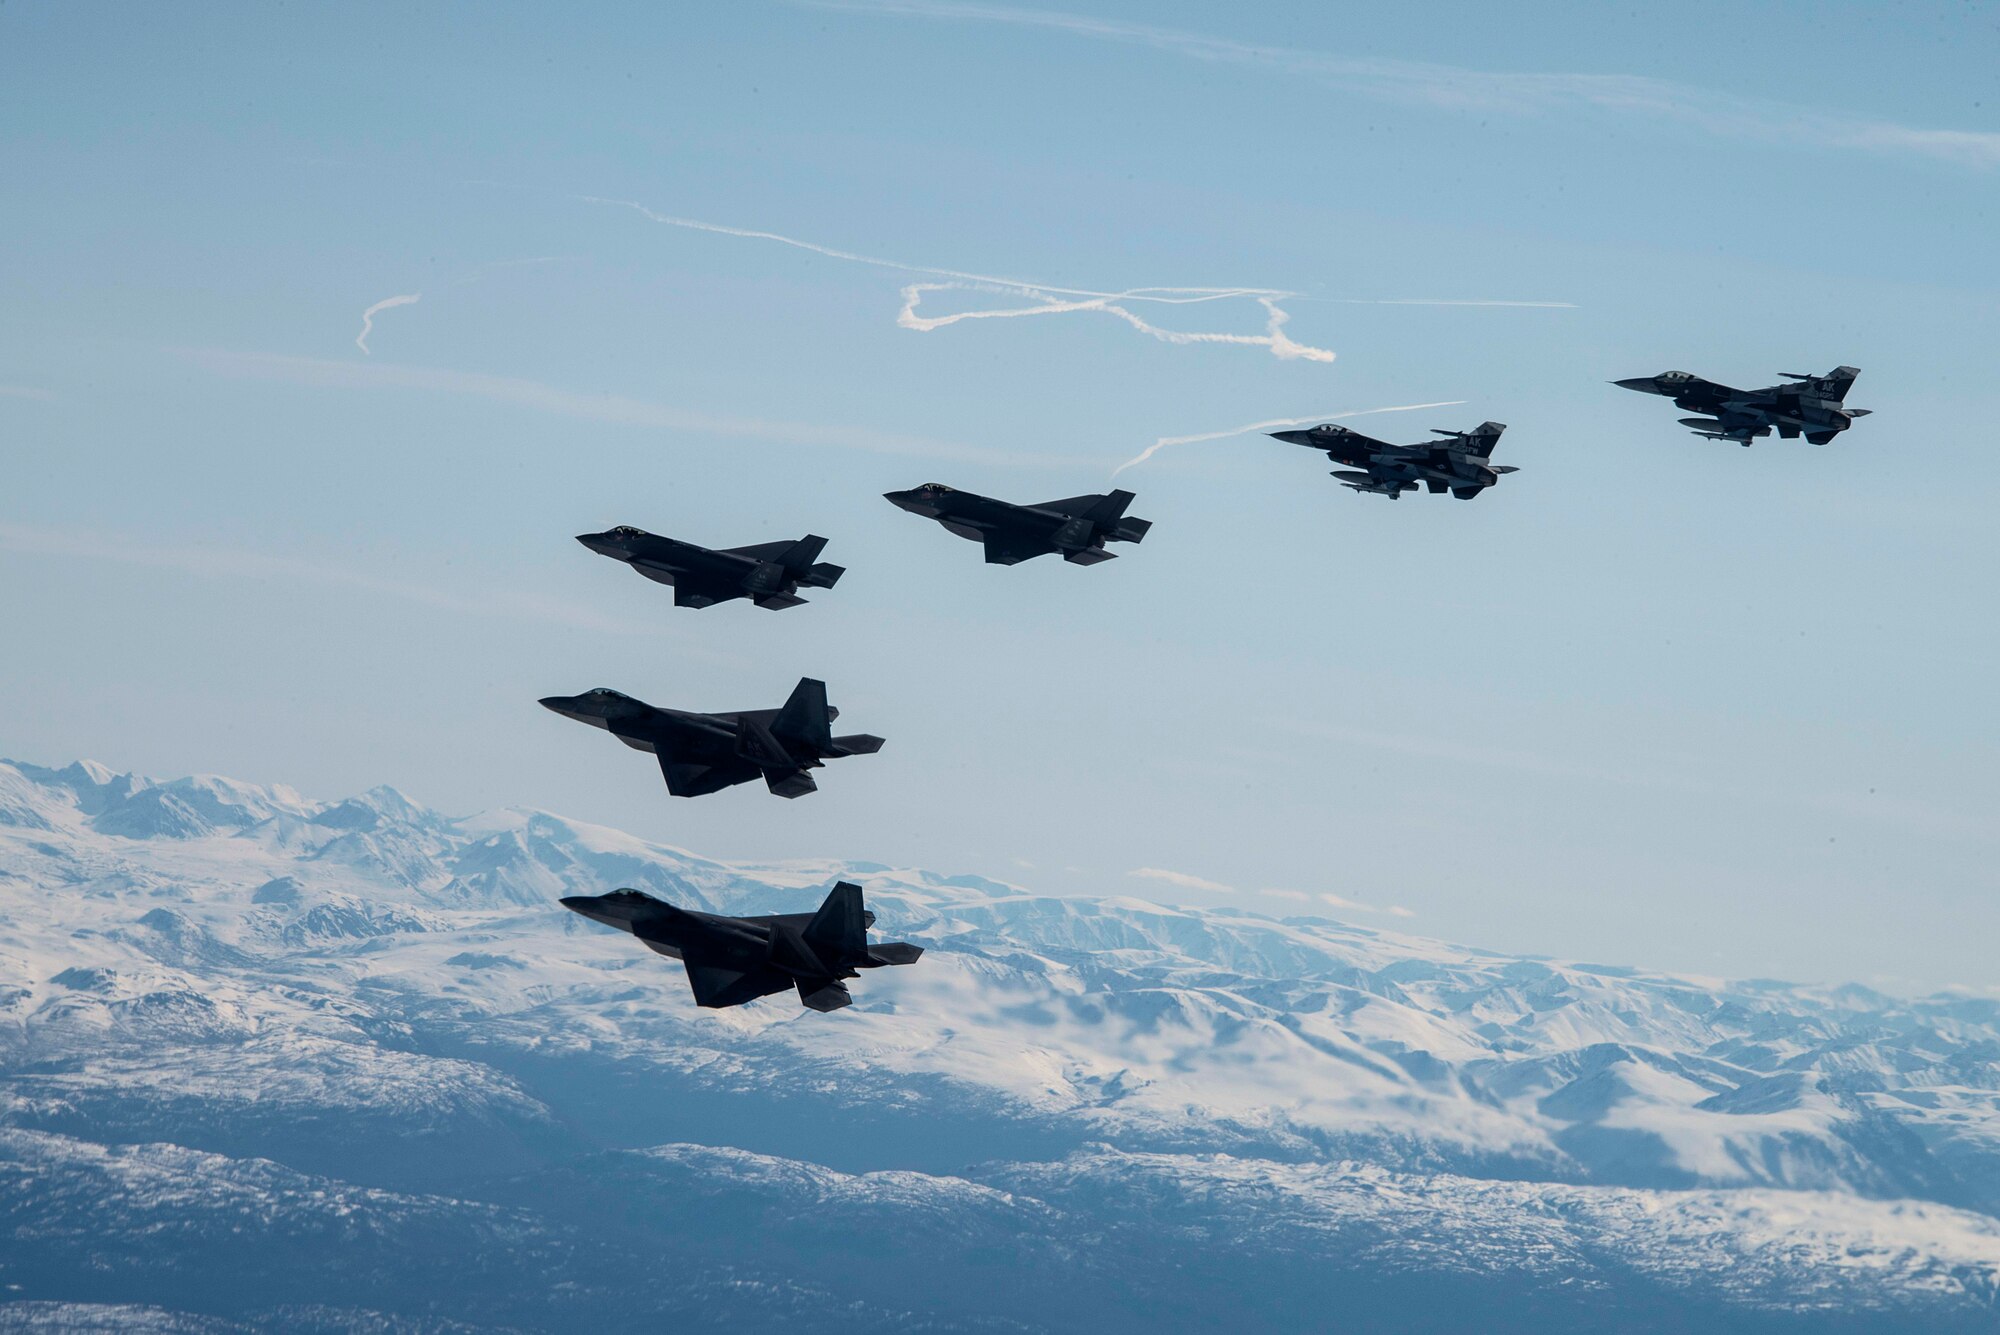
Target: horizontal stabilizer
column 824, row 575
column 778, row 602
column 789, row 782
column 856, row 744
column 1131, row 530
column 1089, row 556
column 894, row 952
column 829, row 995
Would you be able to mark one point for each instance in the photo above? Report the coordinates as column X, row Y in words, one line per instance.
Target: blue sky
column 1654, row 699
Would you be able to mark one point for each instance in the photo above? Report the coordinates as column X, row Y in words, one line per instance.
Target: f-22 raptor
column 705, row 753
column 768, row 573
column 1076, row 526
column 1457, row 464
column 734, row 960
column 1813, row 405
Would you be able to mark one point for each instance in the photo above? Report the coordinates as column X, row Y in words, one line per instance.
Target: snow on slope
column 215, row 964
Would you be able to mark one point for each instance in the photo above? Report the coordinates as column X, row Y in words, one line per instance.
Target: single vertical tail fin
column 1482, row 438
column 1839, row 380
column 805, row 717
column 801, row 554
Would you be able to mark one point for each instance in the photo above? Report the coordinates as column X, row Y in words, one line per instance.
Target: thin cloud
column 368, row 316
column 1725, row 115
column 1297, row 896
column 1181, row 879
column 1356, row 906
column 1043, row 298
column 246, row 564
column 26, row 392
column 328, row 374
column 1165, row 441
column 1871, row 808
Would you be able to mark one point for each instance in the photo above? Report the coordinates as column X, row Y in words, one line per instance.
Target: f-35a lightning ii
column 734, row 960
column 705, row 753
column 1813, row 405
column 768, row 573
column 1076, row 526
column 1457, row 464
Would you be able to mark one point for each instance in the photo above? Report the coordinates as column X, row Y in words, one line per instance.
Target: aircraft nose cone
column 1292, row 437
column 597, row 542
column 561, row 704
column 1642, row 383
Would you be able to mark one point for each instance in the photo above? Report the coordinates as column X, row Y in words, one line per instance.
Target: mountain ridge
column 373, row 993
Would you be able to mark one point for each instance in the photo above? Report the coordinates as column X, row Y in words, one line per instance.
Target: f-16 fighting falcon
column 768, row 573
column 705, row 753
column 734, row 960
column 1076, row 526
column 1456, row 464
column 1813, row 405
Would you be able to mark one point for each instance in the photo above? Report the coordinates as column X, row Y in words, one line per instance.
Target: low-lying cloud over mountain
column 271, row 1062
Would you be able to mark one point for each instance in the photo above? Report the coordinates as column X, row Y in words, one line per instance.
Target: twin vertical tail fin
column 805, row 717
column 803, row 563
column 840, row 928
column 1110, row 510
column 838, row 934
column 1109, row 514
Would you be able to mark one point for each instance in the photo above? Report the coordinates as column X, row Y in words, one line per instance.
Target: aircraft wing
column 691, row 779
column 762, row 551
column 658, row 573
column 716, row 985
column 690, row 594
column 1006, row 549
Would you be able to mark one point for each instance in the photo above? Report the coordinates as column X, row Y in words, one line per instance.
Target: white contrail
column 368, row 316
column 1165, row 441
column 1519, row 94
column 1442, row 301
column 1047, row 298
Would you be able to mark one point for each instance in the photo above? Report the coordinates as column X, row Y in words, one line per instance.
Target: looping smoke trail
column 1165, row 441
column 368, row 317
column 1047, row 299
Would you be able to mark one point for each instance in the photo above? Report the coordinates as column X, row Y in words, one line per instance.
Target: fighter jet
column 705, row 753
column 1812, row 405
column 768, row 573
column 734, row 960
column 1076, row 526
column 1456, row 464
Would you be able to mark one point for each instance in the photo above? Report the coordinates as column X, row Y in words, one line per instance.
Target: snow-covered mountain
column 266, row 1061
